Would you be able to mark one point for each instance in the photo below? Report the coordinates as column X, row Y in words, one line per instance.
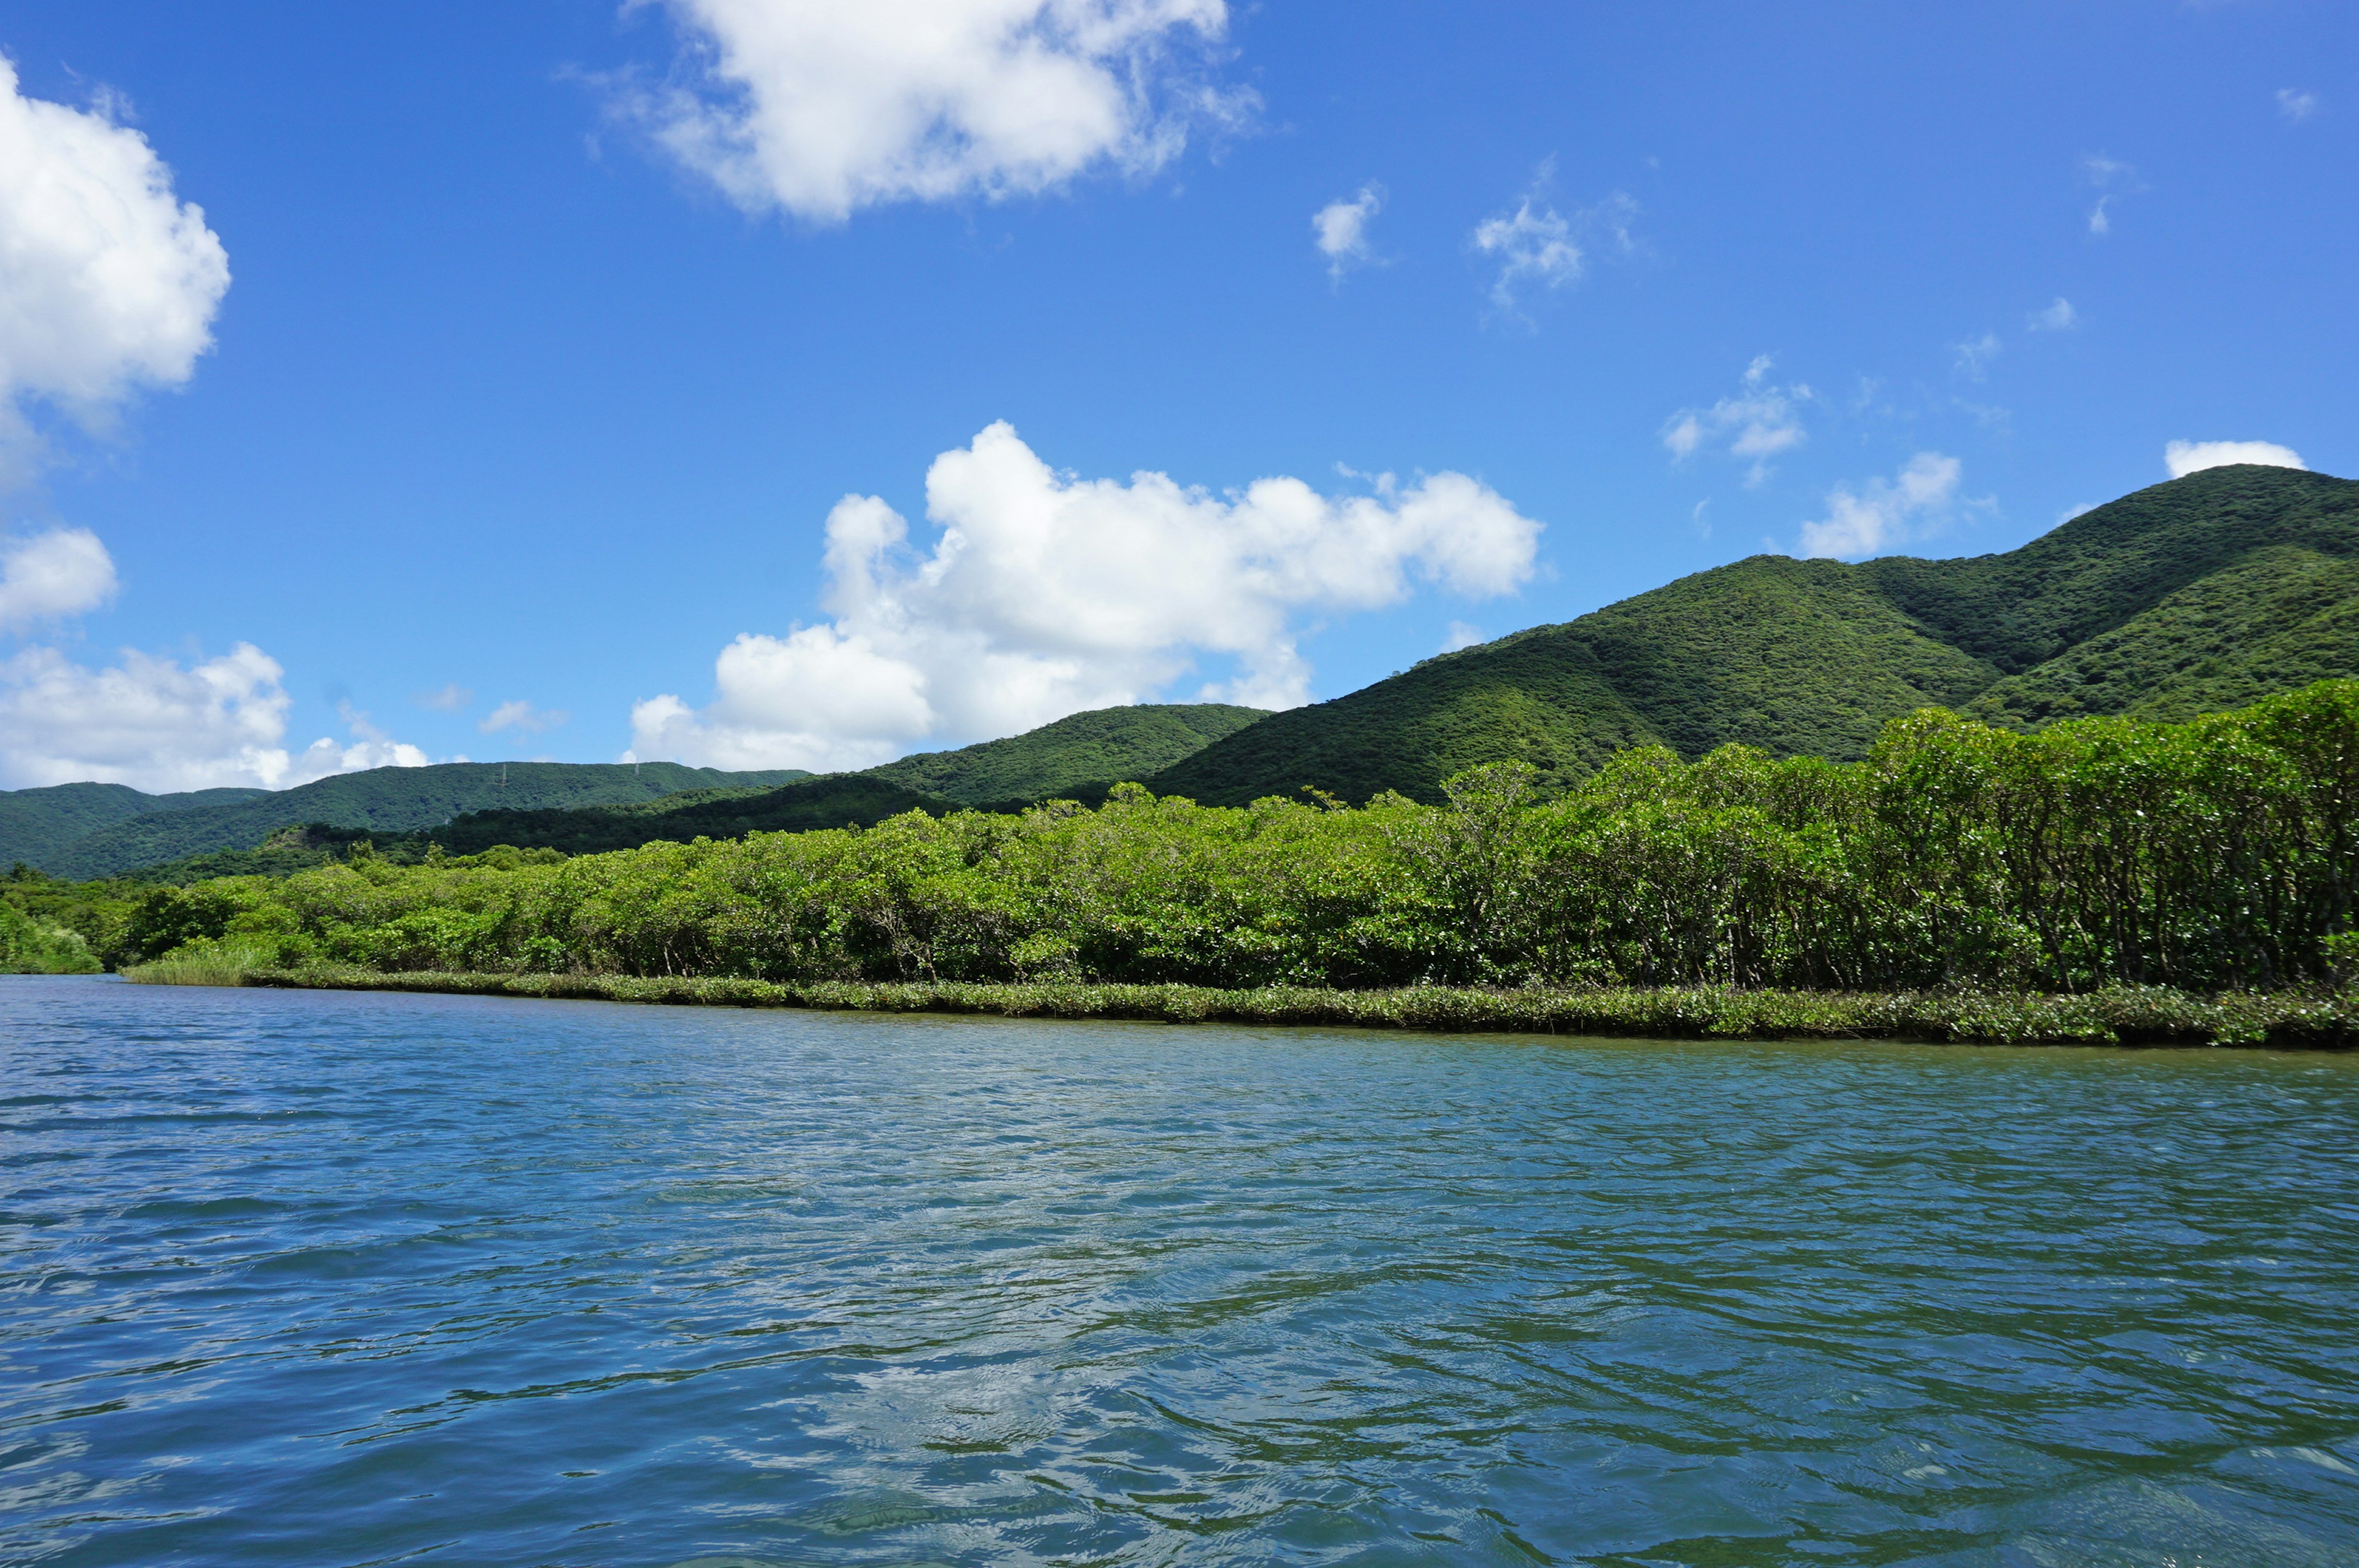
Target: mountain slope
column 2279, row 618
column 37, row 823
column 1788, row 655
column 1105, row 746
column 834, row 800
column 389, row 800
column 2202, row 593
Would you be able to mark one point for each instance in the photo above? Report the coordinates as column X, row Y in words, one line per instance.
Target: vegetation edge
column 2120, row 1015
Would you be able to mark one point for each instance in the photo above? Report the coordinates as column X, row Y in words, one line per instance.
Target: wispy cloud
column 1973, row 356
column 2113, row 180
column 2058, row 318
column 2296, row 105
column 451, row 698
column 1884, row 513
column 1536, row 246
column 1761, row 421
column 522, row 715
column 1340, row 230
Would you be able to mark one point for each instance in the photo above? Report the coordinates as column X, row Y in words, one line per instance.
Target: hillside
column 37, row 823
column 2198, row 594
column 833, row 800
column 387, row 800
column 1105, row 746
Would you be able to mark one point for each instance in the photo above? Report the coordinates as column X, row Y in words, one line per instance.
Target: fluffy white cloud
column 1884, row 513
column 149, row 723
column 1761, row 421
column 822, row 107
column 522, row 715
column 2296, row 105
column 2058, row 318
column 1046, row 594
column 107, row 281
column 1339, row 229
column 2184, row 457
column 146, row 722
column 370, row 747
column 50, row 575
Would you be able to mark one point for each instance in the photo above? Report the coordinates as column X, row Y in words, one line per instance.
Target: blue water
column 325, row 1279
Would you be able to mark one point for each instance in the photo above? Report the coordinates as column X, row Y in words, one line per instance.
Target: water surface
column 320, row 1279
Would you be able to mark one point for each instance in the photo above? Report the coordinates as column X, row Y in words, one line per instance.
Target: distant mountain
column 1104, row 746
column 833, row 800
column 1081, row 753
column 389, row 800
column 2200, row 594
column 37, row 823
column 582, row 808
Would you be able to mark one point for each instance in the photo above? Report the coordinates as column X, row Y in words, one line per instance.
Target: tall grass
column 227, row 963
column 2118, row 1015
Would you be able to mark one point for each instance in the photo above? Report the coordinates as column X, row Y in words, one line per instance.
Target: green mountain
column 1104, row 746
column 37, row 823
column 384, row 800
column 1078, row 754
column 834, row 800
column 2200, row 594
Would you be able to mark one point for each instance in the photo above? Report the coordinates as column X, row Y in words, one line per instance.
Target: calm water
column 331, row 1280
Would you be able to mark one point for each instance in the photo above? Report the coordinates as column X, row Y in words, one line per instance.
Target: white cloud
column 522, row 715
column 1536, row 245
column 820, row 107
column 2184, row 457
column 1761, row 421
column 370, row 747
column 50, row 575
column 2296, row 105
column 146, row 722
column 1884, row 513
column 107, row 281
column 1975, row 355
column 1046, row 594
column 2115, row 180
column 2058, row 318
column 1339, row 229
column 151, row 724
column 451, row 698
column 1461, row 635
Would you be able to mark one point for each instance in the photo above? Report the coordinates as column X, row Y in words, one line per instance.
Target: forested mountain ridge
column 1081, row 753
column 390, row 800
column 2200, row 594
column 1105, row 746
column 36, row 823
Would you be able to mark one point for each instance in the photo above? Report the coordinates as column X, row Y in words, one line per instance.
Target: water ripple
column 320, row 1278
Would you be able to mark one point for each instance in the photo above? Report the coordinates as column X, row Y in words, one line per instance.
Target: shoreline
column 2148, row 1016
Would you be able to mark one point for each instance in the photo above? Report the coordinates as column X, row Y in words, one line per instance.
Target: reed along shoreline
column 2122, row 1015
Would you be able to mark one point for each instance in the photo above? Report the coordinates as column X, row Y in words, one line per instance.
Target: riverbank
column 2118, row 1016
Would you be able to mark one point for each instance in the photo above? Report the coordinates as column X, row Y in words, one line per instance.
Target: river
column 334, row 1279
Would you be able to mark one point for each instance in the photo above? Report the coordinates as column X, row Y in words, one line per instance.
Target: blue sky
column 555, row 334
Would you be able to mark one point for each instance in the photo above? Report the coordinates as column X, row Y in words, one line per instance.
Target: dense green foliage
column 35, row 824
column 1060, row 759
column 33, row 947
column 381, row 800
column 2206, row 592
column 2219, row 854
column 836, row 800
